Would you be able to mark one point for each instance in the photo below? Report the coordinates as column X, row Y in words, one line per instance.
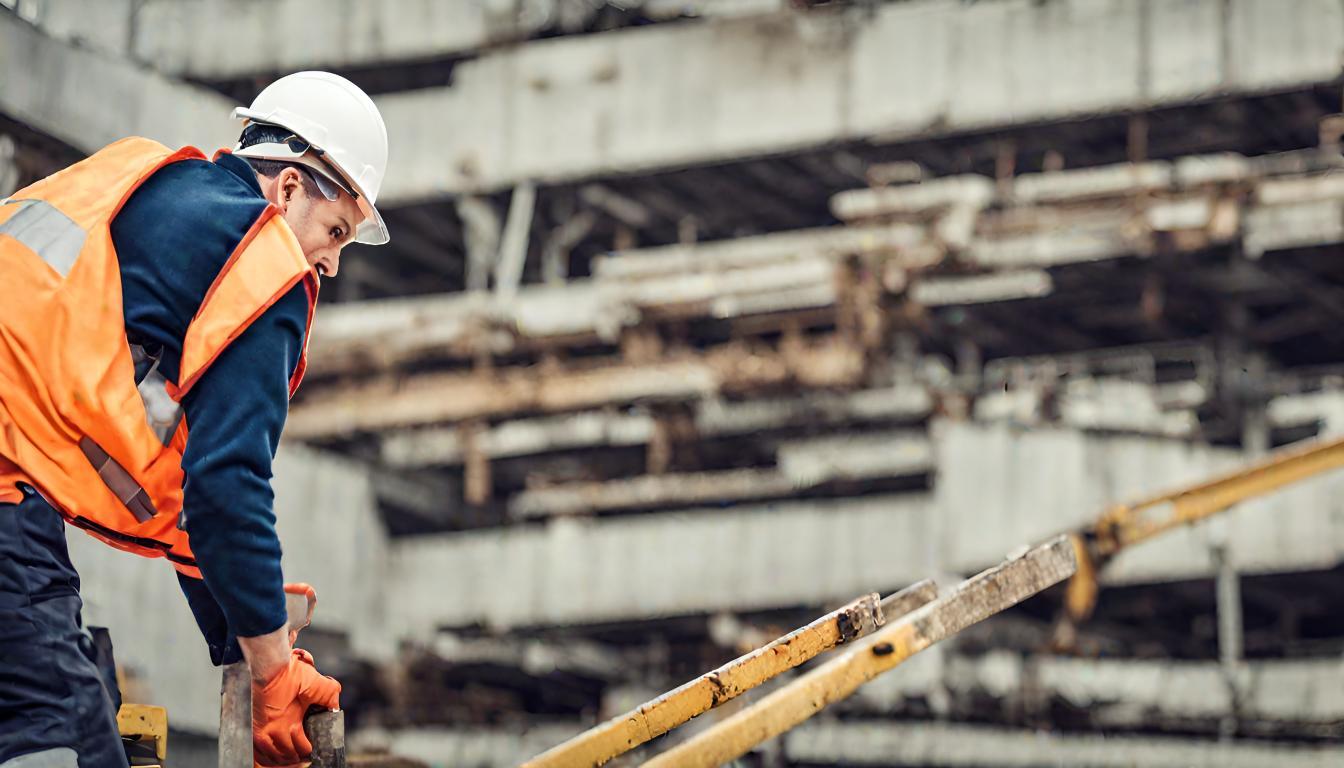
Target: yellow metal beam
column 1130, row 524
column 654, row 718
column 145, row 723
column 974, row 600
column 1125, row 525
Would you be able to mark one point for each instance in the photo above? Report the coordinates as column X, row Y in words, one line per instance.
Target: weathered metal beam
column 514, row 240
column 716, row 257
column 1128, row 524
column 1007, row 285
column 974, row 600
column 654, row 718
column 454, row 397
column 969, row 190
column 1124, row 525
column 439, row 446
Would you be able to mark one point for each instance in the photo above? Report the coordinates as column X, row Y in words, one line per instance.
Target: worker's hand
column 278, row 707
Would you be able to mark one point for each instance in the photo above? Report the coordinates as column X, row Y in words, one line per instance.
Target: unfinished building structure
column 702, row 318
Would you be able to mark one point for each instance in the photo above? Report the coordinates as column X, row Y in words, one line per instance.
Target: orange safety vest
column 85, row 417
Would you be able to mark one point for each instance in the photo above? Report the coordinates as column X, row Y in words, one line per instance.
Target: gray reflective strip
column 60, row 757
column 47, row 232
column 162, row 412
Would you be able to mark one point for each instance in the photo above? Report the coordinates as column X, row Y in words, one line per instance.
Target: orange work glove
column 278, row 708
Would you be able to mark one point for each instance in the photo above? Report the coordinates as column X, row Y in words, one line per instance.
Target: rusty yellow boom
column 654, row 718
column 912, row 620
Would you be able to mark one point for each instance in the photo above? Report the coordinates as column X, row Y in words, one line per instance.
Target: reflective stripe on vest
column 162, row 412
column 46, row 232
column 91, row 422
column 57, row 757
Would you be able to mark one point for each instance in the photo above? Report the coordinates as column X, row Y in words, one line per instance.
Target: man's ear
column 289, row 184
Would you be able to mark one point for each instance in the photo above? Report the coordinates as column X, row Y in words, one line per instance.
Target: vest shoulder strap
column 265, row 265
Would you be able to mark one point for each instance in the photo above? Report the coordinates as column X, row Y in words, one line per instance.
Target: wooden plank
column 654, row 718
column 974, row 600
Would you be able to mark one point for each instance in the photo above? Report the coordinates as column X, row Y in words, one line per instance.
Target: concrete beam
column 1127, row 693
column 751, row 276
column 965, row 746
column 657, row 565
column 1081, row 216
column 802, row 465
column 1023, row 485
column 588, row 106
column 1009, row 486
column 340, row 34
column 1094, row 402
column 685, row 376
column 435, row 446
column 582, row 107
column 89, row 99
column 246, row 37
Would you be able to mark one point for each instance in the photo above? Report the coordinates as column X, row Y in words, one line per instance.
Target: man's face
column 323, row 227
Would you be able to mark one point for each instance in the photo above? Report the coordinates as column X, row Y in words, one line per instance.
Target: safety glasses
column 327, row 172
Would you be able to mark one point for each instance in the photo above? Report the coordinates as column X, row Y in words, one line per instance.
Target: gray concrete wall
column 743, row 558
column 997, row 488
column 965, row 746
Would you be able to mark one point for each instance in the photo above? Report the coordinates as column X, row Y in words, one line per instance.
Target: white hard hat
column 332, row 119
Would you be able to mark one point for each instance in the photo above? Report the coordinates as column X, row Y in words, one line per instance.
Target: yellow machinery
column 144, row 730
column 1125, row 525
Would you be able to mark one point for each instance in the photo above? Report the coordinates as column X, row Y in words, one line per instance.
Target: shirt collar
column 240, row 168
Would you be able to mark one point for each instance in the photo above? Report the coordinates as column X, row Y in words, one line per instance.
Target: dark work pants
column 54, row 704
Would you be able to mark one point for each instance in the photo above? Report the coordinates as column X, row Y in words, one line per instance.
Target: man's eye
column 337, row 233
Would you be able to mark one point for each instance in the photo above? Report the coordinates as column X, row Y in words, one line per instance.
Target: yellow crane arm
column 1125, row 525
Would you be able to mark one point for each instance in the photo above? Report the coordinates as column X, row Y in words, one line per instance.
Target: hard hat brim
column 371, row 231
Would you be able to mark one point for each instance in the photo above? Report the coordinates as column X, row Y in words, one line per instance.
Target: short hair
column 264, row 133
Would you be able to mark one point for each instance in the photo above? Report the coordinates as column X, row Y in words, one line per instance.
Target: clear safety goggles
column 328, row 179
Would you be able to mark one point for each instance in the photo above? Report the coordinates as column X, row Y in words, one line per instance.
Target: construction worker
column 154, row 314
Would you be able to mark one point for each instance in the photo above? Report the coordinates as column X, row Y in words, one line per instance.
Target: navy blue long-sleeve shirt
column 172, row 238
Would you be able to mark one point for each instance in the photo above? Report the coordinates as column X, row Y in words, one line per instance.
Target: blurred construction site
column 703, row 318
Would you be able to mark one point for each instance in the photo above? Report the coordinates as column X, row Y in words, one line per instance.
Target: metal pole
column 974, row 600
column 235, row 717
column 326, row 731
column 654, row 718
column 1230, row 636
